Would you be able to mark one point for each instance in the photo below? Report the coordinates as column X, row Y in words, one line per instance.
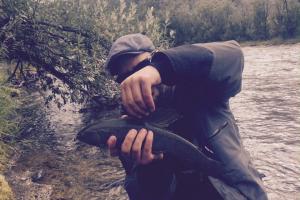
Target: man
column 202, row 78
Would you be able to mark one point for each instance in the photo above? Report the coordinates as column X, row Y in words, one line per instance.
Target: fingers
column 138, row 97
column 137, row 146
column 147, row 155
column 111, row 143
column 132, row 103
column 136, row 92
column 128, row 142
column 127, row 101
column 132, row 146
column 147, row 95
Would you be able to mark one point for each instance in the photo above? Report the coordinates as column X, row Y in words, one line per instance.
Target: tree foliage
column 243, row 20
column 61, row 45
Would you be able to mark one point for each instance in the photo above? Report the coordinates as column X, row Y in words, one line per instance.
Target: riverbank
column 271, row 42
column 9, row 127
column 17, row 116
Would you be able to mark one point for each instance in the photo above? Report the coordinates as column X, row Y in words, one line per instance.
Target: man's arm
column 215, row 67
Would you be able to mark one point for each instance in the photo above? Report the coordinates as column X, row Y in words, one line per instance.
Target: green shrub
column 8, row 117
column 8, row 106
column 61, row 45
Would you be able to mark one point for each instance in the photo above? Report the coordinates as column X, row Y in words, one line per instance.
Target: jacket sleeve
column 216, row 66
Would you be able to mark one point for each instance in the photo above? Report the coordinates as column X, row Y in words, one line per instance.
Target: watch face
column 163, row 95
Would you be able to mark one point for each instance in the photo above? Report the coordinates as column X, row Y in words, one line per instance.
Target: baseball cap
column 128, row 44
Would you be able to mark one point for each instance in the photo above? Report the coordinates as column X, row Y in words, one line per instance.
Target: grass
column 5, row 190
column 9, row 119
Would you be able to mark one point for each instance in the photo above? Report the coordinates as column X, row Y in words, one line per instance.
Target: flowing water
column 54, row 166
column 268, row 112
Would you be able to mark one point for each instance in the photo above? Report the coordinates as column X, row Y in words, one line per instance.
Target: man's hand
column 132, row 146
column 136, row 91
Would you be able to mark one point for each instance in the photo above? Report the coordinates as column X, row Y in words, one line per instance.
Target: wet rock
column 26, row 132
column 15, row 93
column 23, row 178
column 51, row 164
column 38, row 176
column 68, row 183
column 262, row 175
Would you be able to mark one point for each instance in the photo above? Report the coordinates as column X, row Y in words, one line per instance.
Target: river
column 52, row 165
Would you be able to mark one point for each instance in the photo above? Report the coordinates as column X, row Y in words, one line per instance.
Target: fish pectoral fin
column 159, row 124
column 163, row 117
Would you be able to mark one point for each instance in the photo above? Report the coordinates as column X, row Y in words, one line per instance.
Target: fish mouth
column 90, row 138
column 81, row 136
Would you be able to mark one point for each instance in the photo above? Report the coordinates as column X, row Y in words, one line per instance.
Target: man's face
column 129, row 65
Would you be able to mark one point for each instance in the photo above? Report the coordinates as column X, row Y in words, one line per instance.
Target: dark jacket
column 205, row 76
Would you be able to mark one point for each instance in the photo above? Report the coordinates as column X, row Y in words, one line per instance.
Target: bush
column 286, row 18
column 8, row 106
column 61, row 45
column 204, row 21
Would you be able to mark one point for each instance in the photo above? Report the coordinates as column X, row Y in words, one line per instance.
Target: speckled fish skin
column 164, row 141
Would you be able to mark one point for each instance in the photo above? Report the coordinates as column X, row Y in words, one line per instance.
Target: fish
column 164, row 141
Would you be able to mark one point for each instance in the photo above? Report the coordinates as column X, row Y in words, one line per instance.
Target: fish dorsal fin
column 163, row 117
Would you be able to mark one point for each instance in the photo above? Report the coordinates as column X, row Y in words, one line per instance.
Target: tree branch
column 102, row 41
column 65, row 28
column 14, row 72
column 22, row 71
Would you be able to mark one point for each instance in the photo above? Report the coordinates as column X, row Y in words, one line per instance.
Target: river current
column 55, row 166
